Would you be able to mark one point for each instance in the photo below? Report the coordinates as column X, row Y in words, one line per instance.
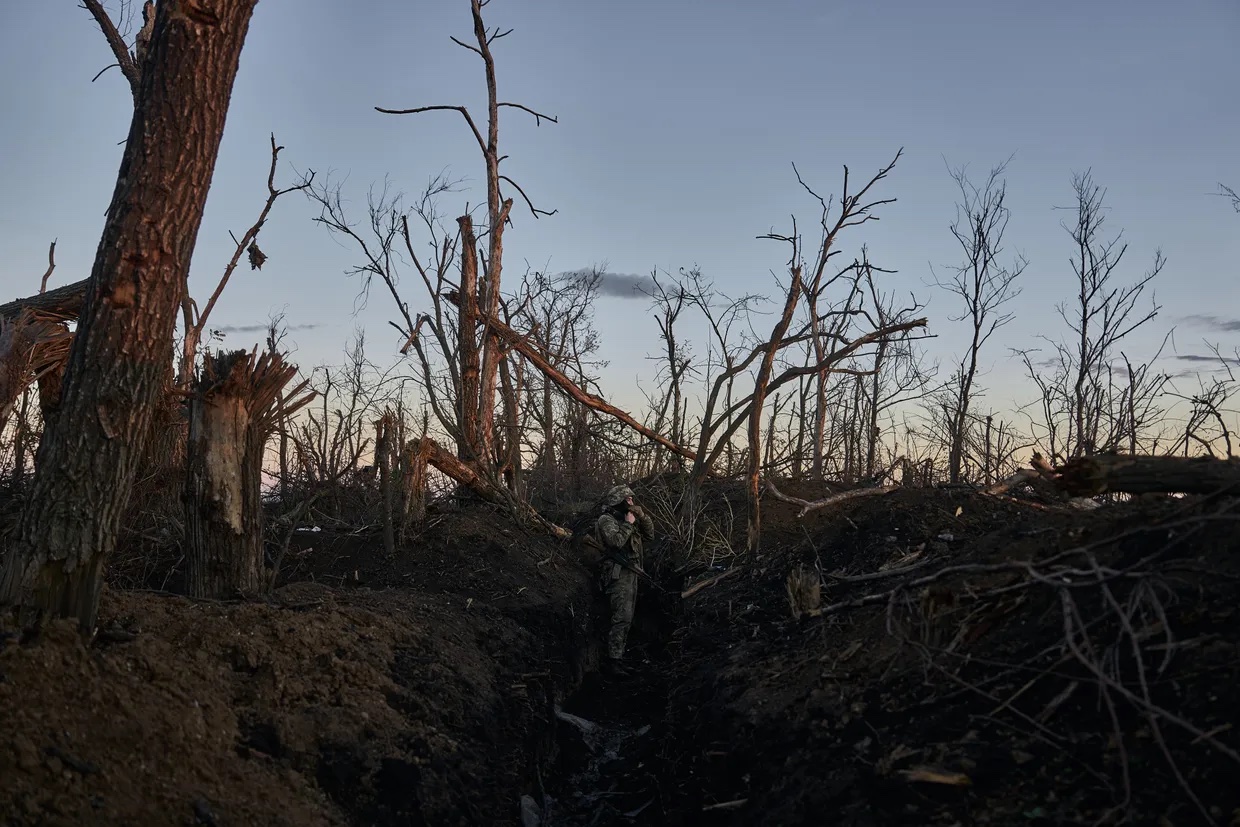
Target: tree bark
column 238, row 402
column 223, row 507
column 413, row 488
column 119, row 361
column 761, row 386
column 385, row 434
column 469, row 444
column 63, row 301
column 1093, row 475
column 51, row 383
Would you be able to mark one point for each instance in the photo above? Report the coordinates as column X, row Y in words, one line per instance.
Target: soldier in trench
column 620, row 531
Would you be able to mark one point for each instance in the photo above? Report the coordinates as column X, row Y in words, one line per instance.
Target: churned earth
column 969, row 660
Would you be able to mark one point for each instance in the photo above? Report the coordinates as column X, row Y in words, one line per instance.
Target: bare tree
column 387, row 247
column 116, row 372
column 480, row 349
column 984, row 285
column 668, row 302
column 1207, row 426
column 475, row 336
column 557, row 313
column 1077, row 382
column 897, row 374
column 813, row 280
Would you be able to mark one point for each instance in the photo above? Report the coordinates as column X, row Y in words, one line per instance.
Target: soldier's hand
column 636, row 511
column 629, row 518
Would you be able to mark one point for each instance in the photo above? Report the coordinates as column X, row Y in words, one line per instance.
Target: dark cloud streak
column 1213, row 322
column 619, row 285
column 263, row 328
column 1201, row 357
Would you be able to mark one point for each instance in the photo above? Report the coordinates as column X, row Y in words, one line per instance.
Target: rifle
column 636, row 568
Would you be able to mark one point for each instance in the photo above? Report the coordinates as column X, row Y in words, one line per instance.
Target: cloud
column 620, row 285
column 1213, row 323
column 1202, row 357
column 262, row 328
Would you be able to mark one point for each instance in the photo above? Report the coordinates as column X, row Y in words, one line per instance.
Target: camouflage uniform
column 623, row 541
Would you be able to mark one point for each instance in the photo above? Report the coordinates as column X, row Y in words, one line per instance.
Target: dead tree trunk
column 468, row 447
column 223, row 513
column 385, row 432
column 760, row 388
column 234, row 410
column 63, row 301
column 1103, row 473
column 510, row 459
column 117, row 365
column 50, row 383
column 413, row 487
column 485, row 488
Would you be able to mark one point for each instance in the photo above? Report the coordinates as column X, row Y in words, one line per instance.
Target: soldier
column 620, row 530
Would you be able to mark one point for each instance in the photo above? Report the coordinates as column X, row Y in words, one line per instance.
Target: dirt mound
column 430, row 704
column 969, row 660
column 973, row 661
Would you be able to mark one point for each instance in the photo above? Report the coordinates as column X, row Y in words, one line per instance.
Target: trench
column 613, row 754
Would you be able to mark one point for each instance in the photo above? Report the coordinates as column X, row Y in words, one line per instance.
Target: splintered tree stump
column 32, row 344
column 234, row 409
column 1091, row 476
column 413, row 486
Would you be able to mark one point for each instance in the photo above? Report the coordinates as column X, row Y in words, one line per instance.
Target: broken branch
column 51, row 265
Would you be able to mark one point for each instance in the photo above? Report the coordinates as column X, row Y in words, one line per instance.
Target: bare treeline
column 495, row 393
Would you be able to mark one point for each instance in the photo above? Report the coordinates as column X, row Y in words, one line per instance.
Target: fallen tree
column 447, row 462
column 63, row 301
column 1115, row 473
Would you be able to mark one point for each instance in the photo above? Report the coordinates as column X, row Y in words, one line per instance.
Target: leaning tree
column 118, row 367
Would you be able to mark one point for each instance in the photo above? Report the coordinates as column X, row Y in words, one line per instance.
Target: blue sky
column 679, row 122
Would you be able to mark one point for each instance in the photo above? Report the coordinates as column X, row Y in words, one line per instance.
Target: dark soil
column 339, row 701
column 457, row 683
column 961, row 704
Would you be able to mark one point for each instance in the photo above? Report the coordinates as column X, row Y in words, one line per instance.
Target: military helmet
column 616, row 495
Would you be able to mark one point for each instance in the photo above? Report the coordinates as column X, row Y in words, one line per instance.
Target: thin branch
column 99, row 74
column 808, row 506
column 464, row 45
column 538, row 116
column 252, row 233
column 537, row 212
column 123, row 58
column 51, row 265
column 419, row 109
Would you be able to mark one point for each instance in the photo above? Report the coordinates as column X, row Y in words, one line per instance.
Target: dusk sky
column 679, row 122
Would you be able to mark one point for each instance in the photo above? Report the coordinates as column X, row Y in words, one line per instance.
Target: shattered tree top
column 63, row 301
